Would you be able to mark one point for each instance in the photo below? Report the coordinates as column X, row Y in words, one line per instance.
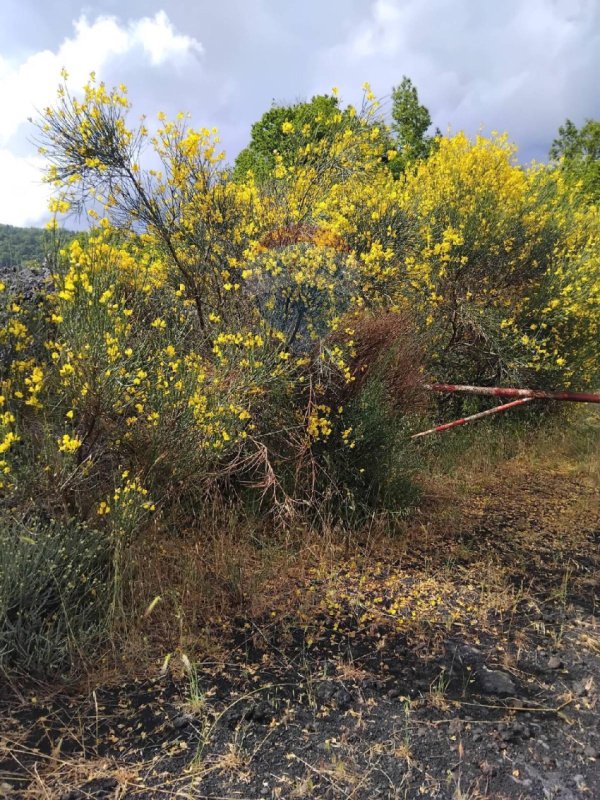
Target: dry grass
column 385, row 346
column 187, row 589
column 453, row 567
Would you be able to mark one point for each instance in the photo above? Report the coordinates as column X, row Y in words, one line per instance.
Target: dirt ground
column 462, row 661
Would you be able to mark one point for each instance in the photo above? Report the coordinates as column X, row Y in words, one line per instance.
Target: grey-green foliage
column 55, row 593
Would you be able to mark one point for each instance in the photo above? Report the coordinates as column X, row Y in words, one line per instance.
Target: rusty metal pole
column 500, row 391
column 473, row 417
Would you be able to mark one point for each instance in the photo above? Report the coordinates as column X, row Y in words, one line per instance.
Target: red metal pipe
column 481, row 414
column 500, row 391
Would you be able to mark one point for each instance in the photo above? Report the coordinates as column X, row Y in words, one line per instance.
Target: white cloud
column 159, row 40
column 32, row 84
column 29, row 86
column 23, row 199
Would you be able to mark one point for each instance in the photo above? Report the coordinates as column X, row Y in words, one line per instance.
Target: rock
column 23, row 280
column 343, row 699
column 469, row 654
column 508, row 735
column 373, row 685
column 494, row 681
column 515, row 731
column 583, row 686
column 325, row 691
column 554, row 662
column 549, row 615
column 262, row 713
column 182, row 721
column 241, row 712
column 328, row 668
column 236, row 715
column 396, row 666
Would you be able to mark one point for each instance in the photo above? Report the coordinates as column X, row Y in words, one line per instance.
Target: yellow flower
column 69, row 444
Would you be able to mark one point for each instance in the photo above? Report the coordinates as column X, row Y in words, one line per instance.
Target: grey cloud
column 516, row 66
column 521, row 65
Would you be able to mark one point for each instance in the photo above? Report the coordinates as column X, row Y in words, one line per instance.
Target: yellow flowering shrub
column 260, row 337
column 198, row 337
column 506, row 267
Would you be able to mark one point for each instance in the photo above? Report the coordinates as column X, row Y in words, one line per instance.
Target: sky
column 521, row 66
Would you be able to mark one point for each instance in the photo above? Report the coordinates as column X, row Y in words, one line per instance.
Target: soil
column 464, row 662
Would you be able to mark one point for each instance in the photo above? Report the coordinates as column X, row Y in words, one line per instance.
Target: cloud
column 516, row 66
column 23, row 197
column 159, row 40
column 31, row 84
column 521, row 65
column 27, row 87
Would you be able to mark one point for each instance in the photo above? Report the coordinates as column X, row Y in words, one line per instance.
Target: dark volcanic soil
column 465, row 666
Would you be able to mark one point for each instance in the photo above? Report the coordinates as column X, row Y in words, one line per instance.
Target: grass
column 205, row 578
column 55, row 594
column 180, row 590
column 503, row 526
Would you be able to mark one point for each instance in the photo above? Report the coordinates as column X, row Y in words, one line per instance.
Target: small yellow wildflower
column 69, row 444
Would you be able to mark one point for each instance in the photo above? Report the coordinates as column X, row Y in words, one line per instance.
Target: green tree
column 579, row 149
column 18, row 245
column 410, row 123
column 286, row 130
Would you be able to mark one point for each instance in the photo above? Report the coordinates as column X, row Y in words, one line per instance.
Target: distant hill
column 21, row 245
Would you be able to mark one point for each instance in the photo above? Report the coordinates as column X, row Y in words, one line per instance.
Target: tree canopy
column 578, row 149
column 410, row 122
column 18, row 245
column 290, row 132
column 286, row 130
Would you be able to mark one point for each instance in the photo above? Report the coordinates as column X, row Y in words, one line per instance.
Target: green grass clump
column 55, row 593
